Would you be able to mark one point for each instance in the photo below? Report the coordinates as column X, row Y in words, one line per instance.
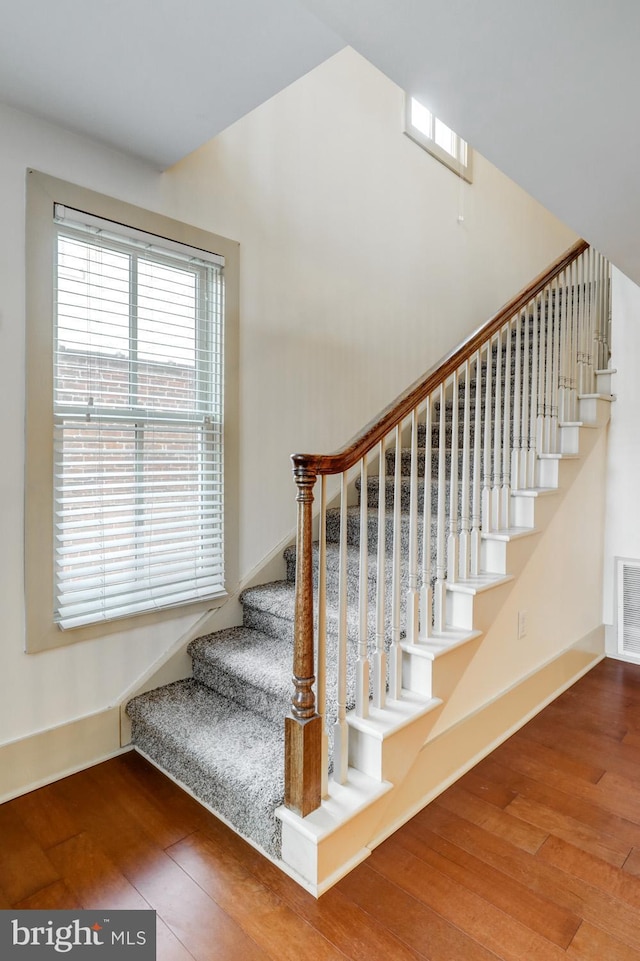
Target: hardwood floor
column 532, row 856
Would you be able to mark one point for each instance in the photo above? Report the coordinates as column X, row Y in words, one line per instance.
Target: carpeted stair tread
column 277, row 598
column 231, row 758
column 373, row 489
column 353, row 527
column 270, row 608
column 333, row 560
column 249, row 667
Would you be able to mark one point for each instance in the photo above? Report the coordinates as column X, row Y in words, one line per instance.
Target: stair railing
column 507, row 388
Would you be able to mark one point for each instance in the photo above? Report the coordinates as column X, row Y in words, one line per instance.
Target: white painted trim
column 38, row 759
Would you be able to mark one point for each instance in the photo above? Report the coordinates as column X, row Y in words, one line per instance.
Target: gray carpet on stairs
column 230, row 757
column 248, row 667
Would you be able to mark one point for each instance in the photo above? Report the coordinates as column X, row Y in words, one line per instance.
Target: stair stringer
column 414, row 761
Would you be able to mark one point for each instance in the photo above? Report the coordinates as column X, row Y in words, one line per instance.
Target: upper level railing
column 436, row 470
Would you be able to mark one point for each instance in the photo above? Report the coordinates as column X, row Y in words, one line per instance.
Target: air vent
column 628, row 580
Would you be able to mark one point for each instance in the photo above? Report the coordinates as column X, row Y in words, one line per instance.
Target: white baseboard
column 46, row 756
column 454, row 752
column 447, row 756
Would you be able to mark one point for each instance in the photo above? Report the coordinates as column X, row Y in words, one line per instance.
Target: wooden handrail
column 395, row 413
column 303, row 726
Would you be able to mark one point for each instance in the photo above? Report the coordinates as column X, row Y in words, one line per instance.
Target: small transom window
column 438, row 139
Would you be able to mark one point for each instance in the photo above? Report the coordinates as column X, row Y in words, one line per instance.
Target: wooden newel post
column 303, row 727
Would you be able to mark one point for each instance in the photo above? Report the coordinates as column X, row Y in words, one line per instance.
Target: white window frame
column 43, row 193
column 460, row 161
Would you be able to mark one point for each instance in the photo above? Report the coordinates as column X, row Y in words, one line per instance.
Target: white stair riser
column 528, row 511
column 506, row 557
column 493, row 556
column 595, row 410
column 523, row 511
column 366, row 754
column 417, row 673
column 603, row 381
column 547, row 472
column 569, row 438
column 321, row 861
column 474, row 611
column 388, row 758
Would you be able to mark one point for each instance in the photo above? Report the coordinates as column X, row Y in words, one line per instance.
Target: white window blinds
column 138, row 422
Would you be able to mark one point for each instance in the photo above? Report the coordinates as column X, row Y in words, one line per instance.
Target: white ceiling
column 156, row 78
column 547, row 90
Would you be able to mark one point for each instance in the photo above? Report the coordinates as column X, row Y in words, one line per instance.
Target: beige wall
column 622, row 531
column 559, row 588
column 356, row 274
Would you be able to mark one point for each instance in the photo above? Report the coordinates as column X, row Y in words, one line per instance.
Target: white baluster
column 589, row 382
column 586, row 322
column 607, row 303
column 476, row 509
column 591, row 353
column 533, row 411
column 465, row 510
column 601, row 359
column 426, row 594
column 452, row 542
column 380, row 657
column 487, row 520
column 341, row 730
column 517, row 388
column 548, row 380
column 597, row 343
column 540, row 448
column 505, row 493
column 563, row 376
column 581, row 325
column 395, row 654
column 526, row 362
column 595, row 316
column 496, row 512
column 595, row 347
column 604, row 314
column 413, row 596
column 321, row 666
column 573, row 346
column 555, row 366
column 441, row 561
column 362, row 663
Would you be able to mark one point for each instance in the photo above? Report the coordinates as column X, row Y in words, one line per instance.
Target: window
column 438, row 139
column 138, row 413
column 130, row 381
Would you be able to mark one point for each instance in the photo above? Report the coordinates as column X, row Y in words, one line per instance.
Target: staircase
column 388, row 605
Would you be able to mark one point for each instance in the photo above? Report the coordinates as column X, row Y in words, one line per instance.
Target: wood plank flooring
column 534, row 855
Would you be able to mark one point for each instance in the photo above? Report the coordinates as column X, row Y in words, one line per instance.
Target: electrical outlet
column 522, row 624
